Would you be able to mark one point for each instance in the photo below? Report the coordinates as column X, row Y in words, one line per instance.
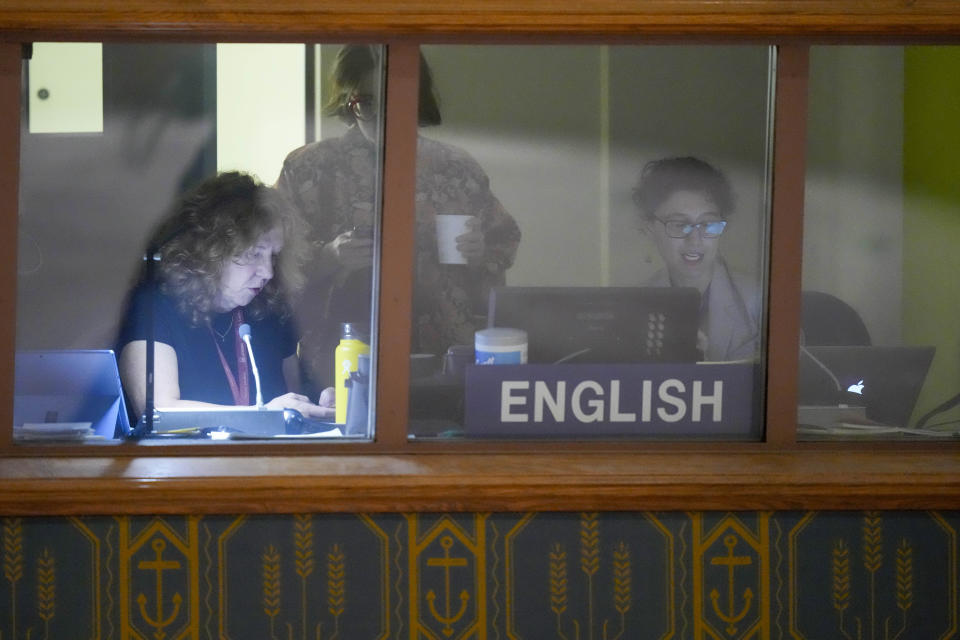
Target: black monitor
column 601, row 325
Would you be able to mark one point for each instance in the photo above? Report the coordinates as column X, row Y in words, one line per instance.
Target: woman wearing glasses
column 684, row 204
column 334, row 184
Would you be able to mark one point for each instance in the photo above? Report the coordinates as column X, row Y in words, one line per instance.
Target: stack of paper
column 49, row 431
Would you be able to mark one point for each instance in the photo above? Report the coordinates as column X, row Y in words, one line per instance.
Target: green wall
column 931, row 221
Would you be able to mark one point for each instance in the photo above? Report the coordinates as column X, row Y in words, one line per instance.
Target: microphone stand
column 145, row 427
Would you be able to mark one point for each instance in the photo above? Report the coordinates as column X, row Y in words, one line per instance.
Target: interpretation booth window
column 590, row 228
column 879, row 353
column 226, row 209
column 591, row 242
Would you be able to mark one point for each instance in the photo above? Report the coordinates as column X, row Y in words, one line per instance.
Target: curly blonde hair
column 216, row 222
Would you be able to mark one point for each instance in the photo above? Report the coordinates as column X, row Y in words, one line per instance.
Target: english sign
column 650, row 400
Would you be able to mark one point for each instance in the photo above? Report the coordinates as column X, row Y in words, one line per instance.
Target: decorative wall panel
column 478, row 576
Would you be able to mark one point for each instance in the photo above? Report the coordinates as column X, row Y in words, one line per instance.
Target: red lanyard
column 241, row 389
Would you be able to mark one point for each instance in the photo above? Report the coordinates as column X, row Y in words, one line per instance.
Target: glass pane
column 194, row 214
column 611, row 204
column 880, row 356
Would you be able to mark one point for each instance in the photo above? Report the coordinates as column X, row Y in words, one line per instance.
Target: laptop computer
column 70, row 387
column 885, row 380
column 601, row 325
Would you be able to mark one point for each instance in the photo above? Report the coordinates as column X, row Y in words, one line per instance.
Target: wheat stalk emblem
column 841, row 577
column 841, row 583
column 558, row 586
column 13, row 549
column 904, row 585
column 621, row 587
column 558, row 580
column 336, row 586
column 13, row 563
column 335, row 580
column 46, row 589
column 303, row 561
column 589, row 544
column 621, row 578
column 872, row 557
column 872, row 552
column 271, row 584
column 303, row 543
column 589, row 557
column 904, row 576
column 872, row 542
column 589, row 565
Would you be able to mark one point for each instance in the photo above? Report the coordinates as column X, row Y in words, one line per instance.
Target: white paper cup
column 449, row 227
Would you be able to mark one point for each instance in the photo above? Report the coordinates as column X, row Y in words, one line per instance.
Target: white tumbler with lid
column 500, row 345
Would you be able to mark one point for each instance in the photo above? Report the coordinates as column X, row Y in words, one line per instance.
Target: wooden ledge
column 480, row 482
column 320, row 18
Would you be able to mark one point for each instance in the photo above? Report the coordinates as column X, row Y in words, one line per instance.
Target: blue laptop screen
column 70, row 386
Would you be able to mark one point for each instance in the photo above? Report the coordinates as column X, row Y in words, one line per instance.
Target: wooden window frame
column 392, row 473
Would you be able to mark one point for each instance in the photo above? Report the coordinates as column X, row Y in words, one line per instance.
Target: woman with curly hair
column 228, row 255
column 685, row 204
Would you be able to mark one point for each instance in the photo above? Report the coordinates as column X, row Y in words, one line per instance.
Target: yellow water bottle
column 353, row 337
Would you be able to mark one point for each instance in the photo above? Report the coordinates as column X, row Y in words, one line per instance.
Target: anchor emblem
column 731, row 561
column 447, row 563
column 159, row 566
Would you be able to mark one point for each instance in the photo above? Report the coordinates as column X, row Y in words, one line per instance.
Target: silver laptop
column 70, row 386
column 884, row 380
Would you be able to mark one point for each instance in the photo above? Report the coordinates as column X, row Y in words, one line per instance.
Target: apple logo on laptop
column 856, row 388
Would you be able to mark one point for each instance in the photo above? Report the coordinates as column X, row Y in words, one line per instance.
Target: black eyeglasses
column 679, row 229
column 362, row 106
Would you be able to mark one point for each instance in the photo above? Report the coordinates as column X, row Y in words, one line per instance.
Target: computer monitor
column 70, row 386
column 601, row 324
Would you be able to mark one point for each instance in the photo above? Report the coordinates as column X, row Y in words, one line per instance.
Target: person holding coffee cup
column 465, row 239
